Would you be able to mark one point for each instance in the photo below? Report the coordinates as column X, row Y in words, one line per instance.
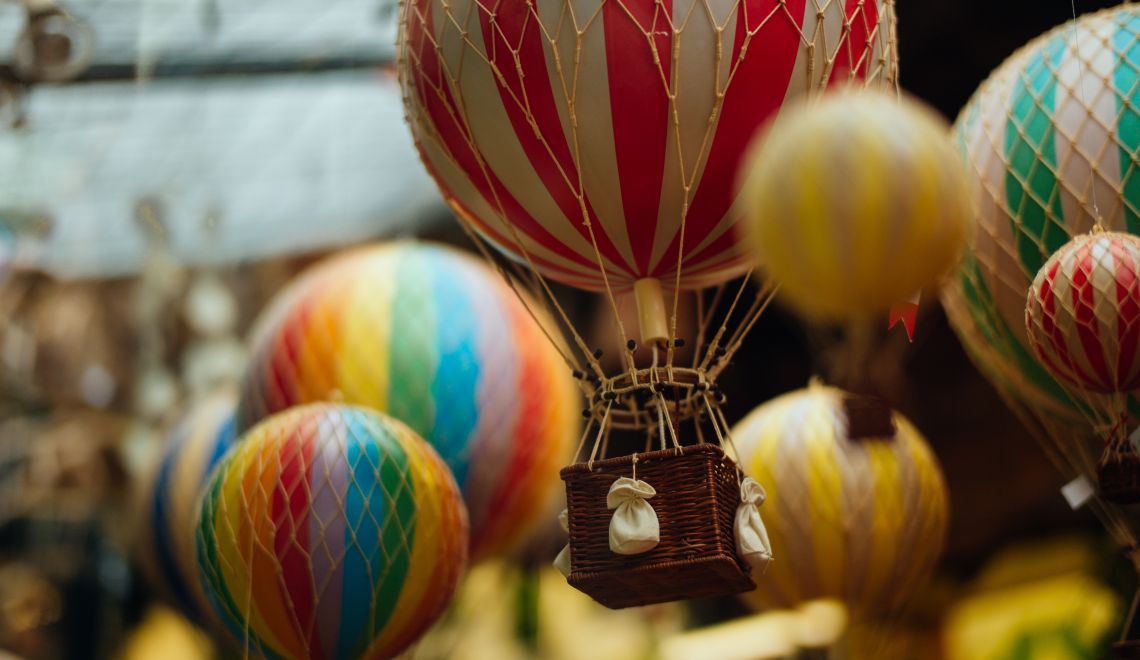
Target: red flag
column 906, row 312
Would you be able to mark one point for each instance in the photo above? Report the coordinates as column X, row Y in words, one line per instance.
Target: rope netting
column 595, row 143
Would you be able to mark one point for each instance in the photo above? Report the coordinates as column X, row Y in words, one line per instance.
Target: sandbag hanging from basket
column 634, row 529
column 562, row 561
column 751, row 536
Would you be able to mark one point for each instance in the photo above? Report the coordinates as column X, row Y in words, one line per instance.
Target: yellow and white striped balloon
column 855, row 203
column 862, row 521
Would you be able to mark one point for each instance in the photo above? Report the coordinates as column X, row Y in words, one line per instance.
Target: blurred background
column 167, row 165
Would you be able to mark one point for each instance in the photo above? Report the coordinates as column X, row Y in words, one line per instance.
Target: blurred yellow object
column 859, row 520
column 1066, row 617
column 164, row 634
column 483, row 623
column 1035, row 601
column 855, row 202
column 758, row 637
column 776, row 634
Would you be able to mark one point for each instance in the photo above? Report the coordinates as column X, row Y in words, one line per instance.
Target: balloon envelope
column 862, row 521
column 194, row 445
column 598, row 141
column 855, row 202
column 331, row 532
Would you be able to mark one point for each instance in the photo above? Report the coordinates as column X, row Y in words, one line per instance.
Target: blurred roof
column 185, row 34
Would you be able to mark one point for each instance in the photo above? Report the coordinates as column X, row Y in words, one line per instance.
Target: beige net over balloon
column 660, row 383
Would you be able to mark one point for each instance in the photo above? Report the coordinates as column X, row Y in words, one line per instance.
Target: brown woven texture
column 1119, row 478
column 697, row 496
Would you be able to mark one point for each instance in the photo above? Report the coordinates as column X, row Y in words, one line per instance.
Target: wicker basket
column 1120, row 479
column 696, row 501
column 1129, row 650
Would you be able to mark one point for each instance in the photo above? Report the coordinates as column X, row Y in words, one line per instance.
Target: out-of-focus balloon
column 597, row 142
column 436, row 339
column 1051, row 142
column 331, row 532
column 855, row 202
column 194, row 445
column 862, row 521
column 1083, row 313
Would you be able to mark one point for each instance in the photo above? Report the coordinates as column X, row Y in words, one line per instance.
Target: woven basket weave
column 697, row 496
column 1119, row 479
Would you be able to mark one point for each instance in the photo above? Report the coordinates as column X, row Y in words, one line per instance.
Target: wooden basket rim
column 622, row 461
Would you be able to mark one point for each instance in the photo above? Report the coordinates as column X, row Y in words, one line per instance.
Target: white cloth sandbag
column 562, row 561
column 634, row 528
column 751, row 537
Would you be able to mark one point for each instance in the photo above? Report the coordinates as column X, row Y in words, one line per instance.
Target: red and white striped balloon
column 599, row 139
column 1083, row 313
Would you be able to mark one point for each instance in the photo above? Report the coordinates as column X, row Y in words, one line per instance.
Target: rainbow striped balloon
column 1083, row 313
column 436, row 339
column 892, row 221
column 858, row 520
column 331, row 532
column 1051, row 140
column 194, row 445
column 601, row 137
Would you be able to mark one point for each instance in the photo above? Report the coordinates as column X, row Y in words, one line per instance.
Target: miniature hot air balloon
column 194, row 445
column 596, row 145
column 1051, row 141
column 1083, row 322
column 858, row 519
column 331, row 532
column 894, row 222
column 436, row 339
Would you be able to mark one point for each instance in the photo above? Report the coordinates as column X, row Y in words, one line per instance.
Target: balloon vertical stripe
column 451, row 431
column 1126, row 80
column 412, row 352
column 329, row 538
column 1031, row 152
column 637, row 80
column 289, row 504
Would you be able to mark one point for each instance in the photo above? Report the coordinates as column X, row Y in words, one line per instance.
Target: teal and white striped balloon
column 1051, row 140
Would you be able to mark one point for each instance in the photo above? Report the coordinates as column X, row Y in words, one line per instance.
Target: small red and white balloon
column 1083, row 313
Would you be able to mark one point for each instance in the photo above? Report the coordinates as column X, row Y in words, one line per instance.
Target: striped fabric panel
column 584, row 133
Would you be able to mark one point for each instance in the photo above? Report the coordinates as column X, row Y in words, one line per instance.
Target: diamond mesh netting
column 331, row 532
